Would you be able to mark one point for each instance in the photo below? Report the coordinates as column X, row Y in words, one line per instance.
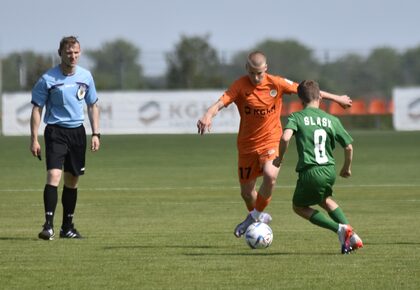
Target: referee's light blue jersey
column 64, row 96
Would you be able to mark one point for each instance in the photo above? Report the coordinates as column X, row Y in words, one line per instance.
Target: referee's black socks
column 68, row 199
column 50, row 203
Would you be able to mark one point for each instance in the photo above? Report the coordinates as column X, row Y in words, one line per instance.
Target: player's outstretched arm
column 284, row 143
column 204, row 124
column 343, row 100
column 348, row 158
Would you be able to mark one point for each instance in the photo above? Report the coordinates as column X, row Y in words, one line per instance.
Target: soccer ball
column 259, row 236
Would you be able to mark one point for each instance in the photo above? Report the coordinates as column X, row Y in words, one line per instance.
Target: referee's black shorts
column 65, row 147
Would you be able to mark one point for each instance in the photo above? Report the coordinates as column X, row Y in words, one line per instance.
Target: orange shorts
column 250, row 166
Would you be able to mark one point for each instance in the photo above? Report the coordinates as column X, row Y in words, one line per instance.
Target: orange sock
column 262, row 203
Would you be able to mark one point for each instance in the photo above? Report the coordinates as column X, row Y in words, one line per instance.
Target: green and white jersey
column 316, row 133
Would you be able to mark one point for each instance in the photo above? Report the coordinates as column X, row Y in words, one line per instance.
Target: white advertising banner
column 406, row 109
column 153, row 112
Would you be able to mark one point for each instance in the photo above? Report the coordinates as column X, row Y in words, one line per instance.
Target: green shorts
column 314, row 185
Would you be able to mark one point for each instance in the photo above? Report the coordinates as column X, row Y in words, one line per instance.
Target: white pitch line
column 164, row 188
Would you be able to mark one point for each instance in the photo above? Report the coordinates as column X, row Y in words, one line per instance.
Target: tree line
column 195, row 64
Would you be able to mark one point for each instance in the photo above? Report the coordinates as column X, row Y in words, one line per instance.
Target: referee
column 62, row 90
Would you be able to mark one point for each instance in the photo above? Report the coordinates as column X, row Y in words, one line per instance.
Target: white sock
column 339, row 227
column 255, row 214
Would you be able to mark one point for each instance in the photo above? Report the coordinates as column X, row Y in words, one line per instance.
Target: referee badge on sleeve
column 81, row 91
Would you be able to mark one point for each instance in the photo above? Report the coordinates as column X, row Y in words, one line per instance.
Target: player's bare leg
column 249, row 195
column 337, row 215
column 257, row 201
column 270, row 173
column 344, row 231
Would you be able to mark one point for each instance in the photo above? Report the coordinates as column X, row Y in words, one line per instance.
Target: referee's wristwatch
column 97, row 135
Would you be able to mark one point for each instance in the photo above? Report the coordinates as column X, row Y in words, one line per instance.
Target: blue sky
column 156, row 26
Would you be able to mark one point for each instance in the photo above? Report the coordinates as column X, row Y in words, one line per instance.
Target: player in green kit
column 316, row 134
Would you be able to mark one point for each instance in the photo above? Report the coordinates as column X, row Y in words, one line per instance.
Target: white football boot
column 344, row 233
column 355, row 242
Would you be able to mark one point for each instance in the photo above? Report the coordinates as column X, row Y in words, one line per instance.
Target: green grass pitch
column 158, row 212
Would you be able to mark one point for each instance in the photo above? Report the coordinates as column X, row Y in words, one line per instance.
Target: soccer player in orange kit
column 258, row 97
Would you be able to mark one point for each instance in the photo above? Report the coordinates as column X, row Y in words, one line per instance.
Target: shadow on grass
column 160, row 247
column 393, row 243
column 18, row 239
column 261, row 253
column 227, row 251
column 37, row 239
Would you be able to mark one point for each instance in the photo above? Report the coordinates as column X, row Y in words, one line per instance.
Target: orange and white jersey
column 259, row 108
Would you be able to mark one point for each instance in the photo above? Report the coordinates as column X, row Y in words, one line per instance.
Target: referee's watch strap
column 97, row 135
